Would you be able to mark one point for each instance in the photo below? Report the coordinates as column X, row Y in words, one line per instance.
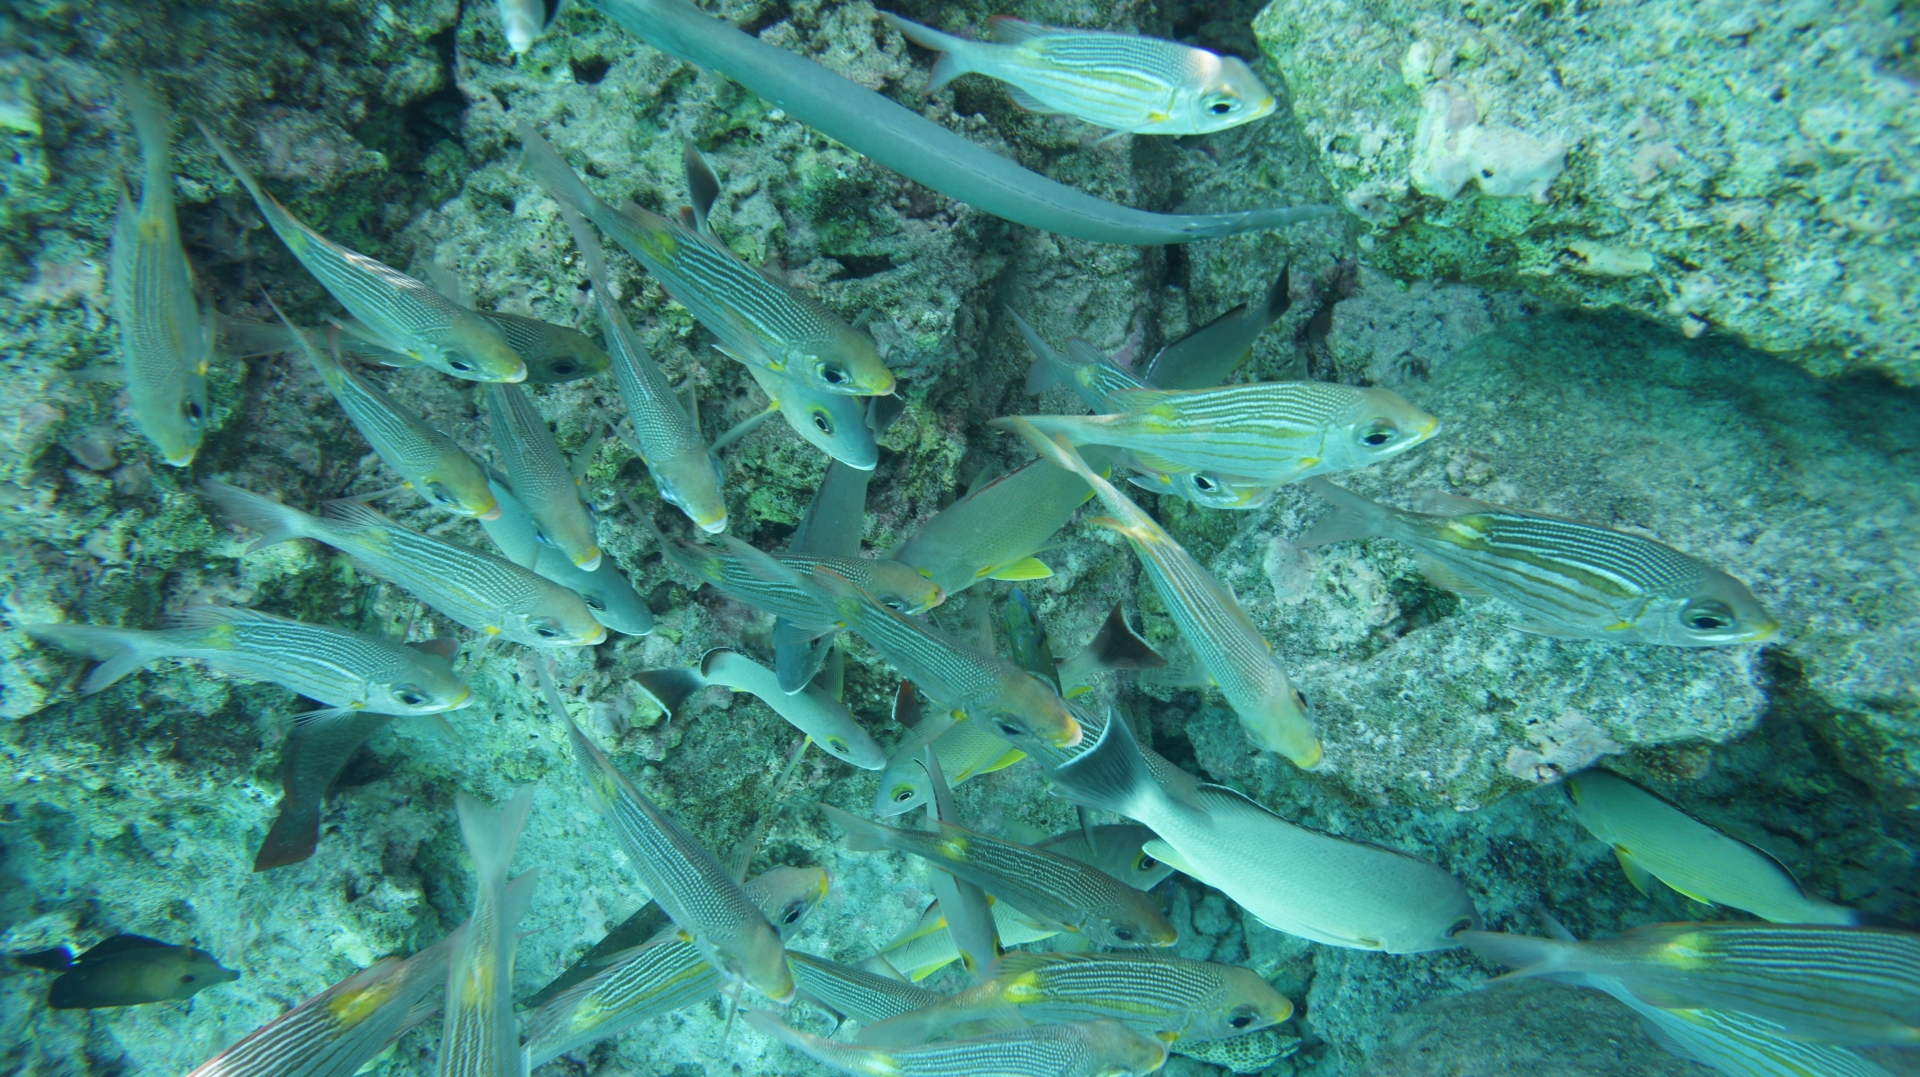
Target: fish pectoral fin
column 1441, row 575
column 1029, row 102
column 322, row 716
column 1029, row 568
column 1541, row 628
column 1111, row 135
column 1640, row 877
column 1161, row 851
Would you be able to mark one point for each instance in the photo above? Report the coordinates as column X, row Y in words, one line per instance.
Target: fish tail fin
column 492, row 835
column 329, row 367
column 1117, row 646
column 1279, row 297
column 1110, row 776
column 275, row 213
column 952, row 61
column 670, row 687
column 119, row 651
column 862, row 836
column 1049, row 367
column 1353, row 516
column 275, row 522
column 541, row 161
column 152, row 129
column 1046, row 433
column 1528, row 956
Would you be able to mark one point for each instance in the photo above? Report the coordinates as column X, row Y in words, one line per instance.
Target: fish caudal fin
column 952, row 61
column 1049, row 367
column 275, row 522
column 1055, row 450
column 1526, row 955
column 1110, row 776
column 1353, row 516
column 862, row 836
column 119, row 651
column 541, row 161
column 491, row 835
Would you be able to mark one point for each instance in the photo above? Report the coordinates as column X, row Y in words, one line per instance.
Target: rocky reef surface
column 386, row 125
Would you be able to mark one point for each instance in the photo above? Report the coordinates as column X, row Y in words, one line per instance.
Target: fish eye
column 892, row 602
column 545, row 628
column 1204, row 484
column 823, row 423
column 1462, row 924
column 1145, row 863
column 194, row 411
column 187, row 978
column 792, row 913
column 439, row 494
column 461, row 365
column 1240, row 1020
column 1223, row 104
column 1300, row 698
column 1009, row 727
column 596, row 605
column 902, row 795
column 1124, row 934
column 565, row 367
column 410, row 695
column 833, row 375
column 1706, row 616
column 1379, row 433
column 836, row 745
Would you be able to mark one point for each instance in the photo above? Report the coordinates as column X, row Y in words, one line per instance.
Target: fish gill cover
column 1646, row 265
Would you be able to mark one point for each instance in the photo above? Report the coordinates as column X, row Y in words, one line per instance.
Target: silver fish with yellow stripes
column 1234, row 653
column 1091, row 1049
column 700, row 895
column 1818, row 982
column 1168, row 998
column 540, row 476
column 608, row 593
column 343, row 670
column 428, row 461
column 1272, row 432
column 740, row 573
column 666, row 437
column 985, row 687
column 998, row 529
column 663, row 974
column 489, row 594
column 834, row 423
column 554, row 354
column 855, row 992
column 757, row 321
column 1052, row 889
column 928, row 946
column 166, row 339
column 480, row 1037
column 1300, row 881
column 1653, row 838
column 1567, row 578
column 967, row 748
column 1125, row 82
column 396, row 311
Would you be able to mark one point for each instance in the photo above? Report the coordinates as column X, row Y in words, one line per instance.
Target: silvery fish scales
column 895, row 585
column 1099, row 1049
column 540, row 476
column 166, row 340
column 1568, row 578
column 864, row 996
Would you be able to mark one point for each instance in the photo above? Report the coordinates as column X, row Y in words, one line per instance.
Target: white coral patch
column 1452, row 146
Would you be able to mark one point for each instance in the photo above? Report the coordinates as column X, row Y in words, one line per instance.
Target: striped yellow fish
column 856, row 992
column 1092, row 1049
column 1235, row 654
column 489, row 594
column 1124, row 82
column 1817, row 982
column 166, row 340
column 540, row 475
column 1272, row 432
column 740, row 572
column 927, row 947
column 1567, row 578
column 480, row 1036
column 399, row 313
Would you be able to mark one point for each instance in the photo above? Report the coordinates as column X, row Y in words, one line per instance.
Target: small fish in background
column 1818, row 982
column 540, row 475
column 345, row 671
column 1053, row 889
column 489, row 594
column 525, row 20
column 127, row 970
column 1568, row 579
column 166, row 338
column 608, row 593
column 1124, row 82
column 428, row 461
column 1092, row 1049
column 311, row 759
column 1654, row 839
column 480, row 1036
column 813, row 711
column 1168, row 998
column 554, row 354
column 1337, row 283
column 396, row 311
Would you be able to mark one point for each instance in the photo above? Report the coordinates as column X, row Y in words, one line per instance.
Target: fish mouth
column 589, row 564
column 517, row 376
column 1072, row 737
column 180, row 460
column 595, row 640
column 1761, row 633
column 491, row 514
column 465, row 697
column 712, row 525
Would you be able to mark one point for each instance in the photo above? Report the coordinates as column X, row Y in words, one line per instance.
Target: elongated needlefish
column 757, row 321
column 489, row 594
column 1272, row 432
column 1051, row 888
column 1818, row 982
column 396, row 311
column 1168, row 998
column 996, row 531
column 1567, row 578
column 540, row 476
column 664, row 974
column 608, row 593
column 480, row 1036
column 1653, row 838
column 1228, row 645
column 345, row 671
column 863, row 995
column 813, row 711
column 1094, row 1049
column 668, row 439
column 428, row 461
column 1302, row 882
column 166, row 339
column 911, row 144
column 685, row 879
column 1124, row 82
column 740, row 573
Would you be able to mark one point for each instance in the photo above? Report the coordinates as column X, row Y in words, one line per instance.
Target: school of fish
column 1791, row 992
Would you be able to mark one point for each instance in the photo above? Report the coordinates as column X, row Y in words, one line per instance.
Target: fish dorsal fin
column 1027, row 568
column 1081, row 350
column 124, row 944
column 354, row 511
column 442, row 646
column 1441, row 575
column 703, row 187
column 1029, row 102
column 1011, row 31
column 883, row 410
column 1166, row 854
column 1117, row 646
